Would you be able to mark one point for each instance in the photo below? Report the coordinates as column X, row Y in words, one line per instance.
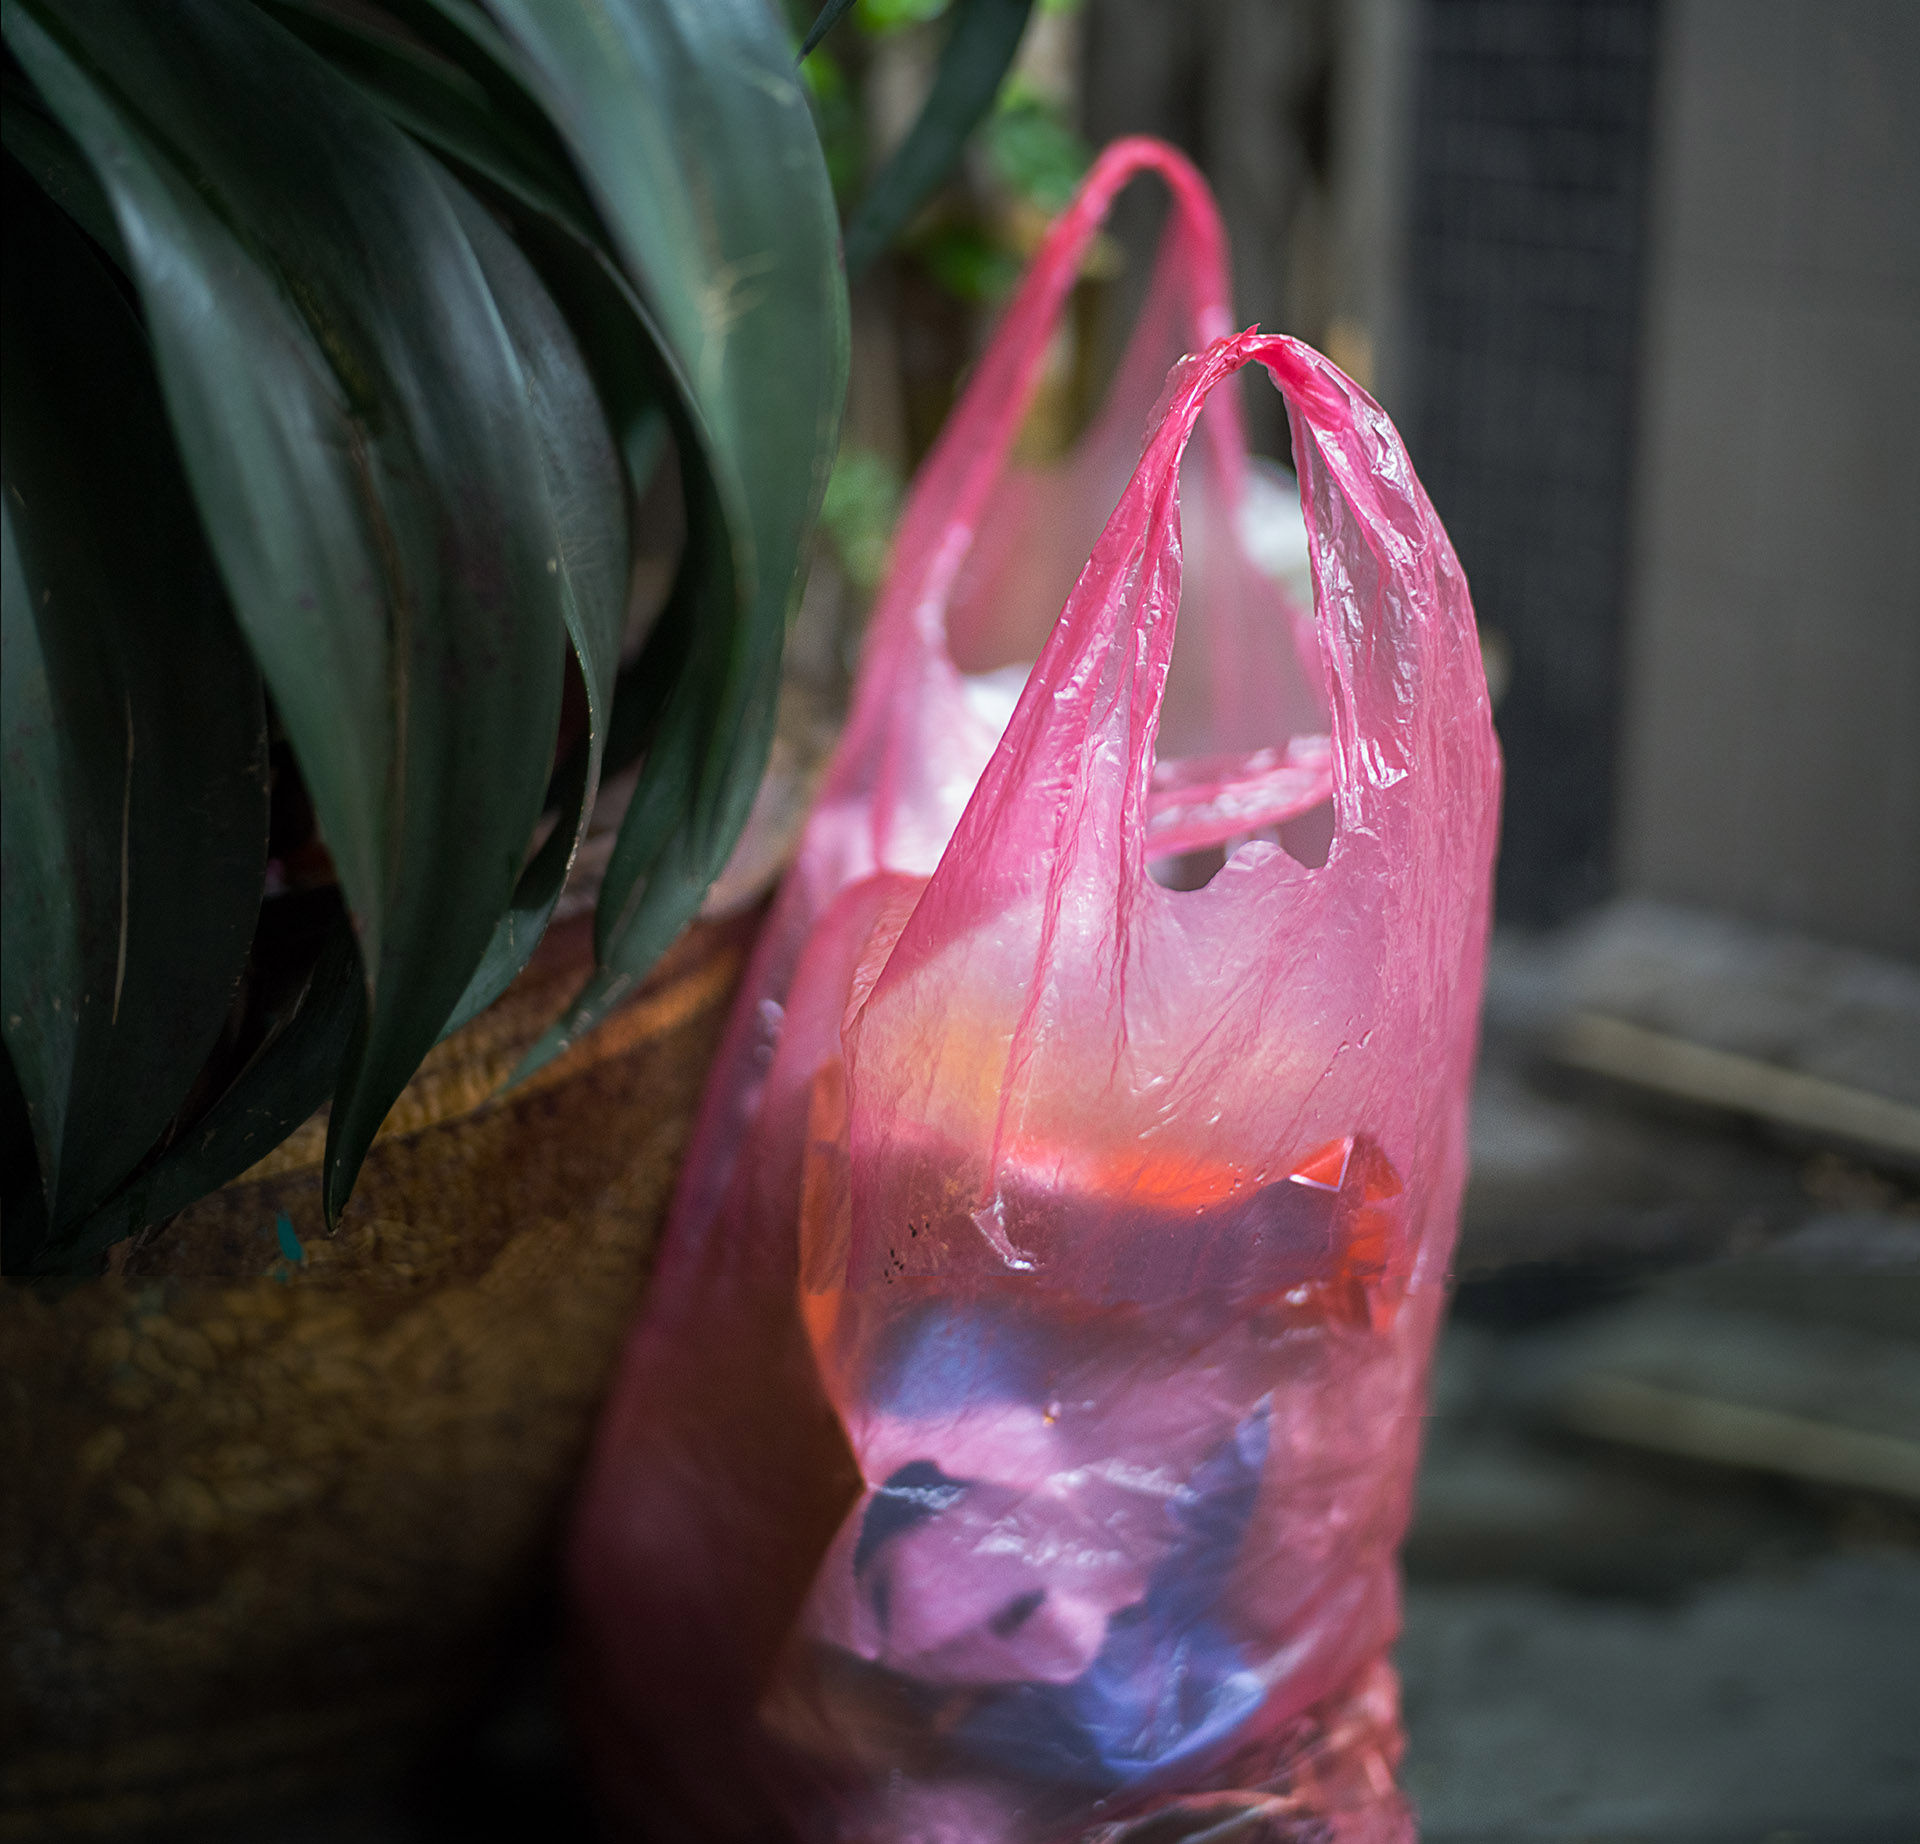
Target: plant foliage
column 981, row 41
column 340, row 339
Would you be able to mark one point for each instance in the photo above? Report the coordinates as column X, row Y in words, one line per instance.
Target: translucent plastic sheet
column 1022, row 1421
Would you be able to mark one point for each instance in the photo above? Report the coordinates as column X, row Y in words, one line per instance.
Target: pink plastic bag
column 1023, row 1417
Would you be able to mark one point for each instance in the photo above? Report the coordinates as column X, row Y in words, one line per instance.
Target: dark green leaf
column 47, row 152
column 450, row 99
column 978, row 52
column 288, row 1076
column 589, row 512
column 450, row 104
column 446, row 98
column 135, row 806
column 56, row 872
column 454, row 99
column 685, row 119
column 824, row 22
column 23, row 1226
column 362, row 446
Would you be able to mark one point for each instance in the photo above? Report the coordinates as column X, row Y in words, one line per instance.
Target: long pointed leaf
column 446, row 98
column 56, row 873
column 135, row 805
column 439, row 100
column 46, row 151
column 451, row 101
column 288, row 1076
column 589, row 512
column 24, row 1225
column 977, row 55
column 687, row 123
column 362, row 447
column 824, row 22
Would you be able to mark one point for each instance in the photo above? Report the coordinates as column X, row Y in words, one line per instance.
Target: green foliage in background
column 1032, row 151
column 981, row 39
column 864, row 498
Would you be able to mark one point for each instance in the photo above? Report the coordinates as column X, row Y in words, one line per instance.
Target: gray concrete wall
column 1771, row 748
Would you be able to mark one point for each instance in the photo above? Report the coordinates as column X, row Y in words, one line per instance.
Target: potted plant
column 347, row 346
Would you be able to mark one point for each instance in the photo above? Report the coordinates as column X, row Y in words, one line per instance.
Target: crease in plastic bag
column 1023, row 1419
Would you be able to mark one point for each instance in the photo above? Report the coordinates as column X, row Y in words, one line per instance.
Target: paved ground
column 1779, row 1700
column 1664, row 1582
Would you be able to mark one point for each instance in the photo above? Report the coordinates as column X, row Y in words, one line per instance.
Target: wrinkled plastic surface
column 1023, row 1418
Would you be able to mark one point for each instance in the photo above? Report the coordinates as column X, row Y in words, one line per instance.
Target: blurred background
column 1640, row 282
column 1636, row 278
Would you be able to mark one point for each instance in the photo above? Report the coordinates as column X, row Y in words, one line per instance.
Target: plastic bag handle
column 959, row 474
column 1396, row 634
column 1390, row 602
